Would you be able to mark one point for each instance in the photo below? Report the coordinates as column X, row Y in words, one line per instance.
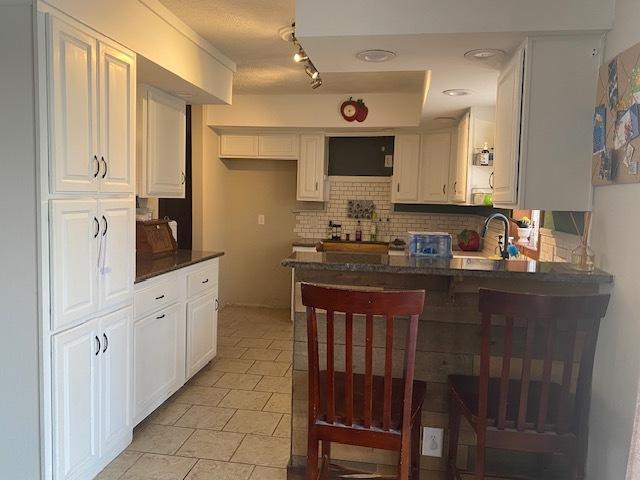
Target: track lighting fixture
column 300, row 56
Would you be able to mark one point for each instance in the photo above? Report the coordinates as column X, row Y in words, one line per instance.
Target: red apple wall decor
column 354, row 110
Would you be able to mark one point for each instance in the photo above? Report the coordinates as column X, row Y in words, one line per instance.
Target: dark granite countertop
column 312, row 242
column 458, row 266
column 147, row 268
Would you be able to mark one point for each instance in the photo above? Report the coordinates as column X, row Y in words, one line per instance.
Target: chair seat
column 397, row 394
column 466, row 390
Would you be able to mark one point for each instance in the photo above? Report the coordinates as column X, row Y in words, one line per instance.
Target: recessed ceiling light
column 483, row 54
column 457, row 92
column 375, row 55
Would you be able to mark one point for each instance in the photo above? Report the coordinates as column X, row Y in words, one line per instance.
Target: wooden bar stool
column 515, row 411
column 363, row 409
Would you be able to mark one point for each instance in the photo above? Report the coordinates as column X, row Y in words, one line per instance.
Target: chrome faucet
column 505, row 243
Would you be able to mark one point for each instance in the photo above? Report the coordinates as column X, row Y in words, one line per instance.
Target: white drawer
column 156, row 296
column 203, row 279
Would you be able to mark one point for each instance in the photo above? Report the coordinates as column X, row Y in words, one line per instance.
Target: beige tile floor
column 232, row 421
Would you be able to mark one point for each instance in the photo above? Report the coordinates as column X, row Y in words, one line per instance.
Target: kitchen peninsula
column 448, row 335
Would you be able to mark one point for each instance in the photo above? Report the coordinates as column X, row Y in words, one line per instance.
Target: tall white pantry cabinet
column 87, row 98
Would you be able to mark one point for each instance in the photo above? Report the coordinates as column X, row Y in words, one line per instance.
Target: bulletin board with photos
column 616, row 122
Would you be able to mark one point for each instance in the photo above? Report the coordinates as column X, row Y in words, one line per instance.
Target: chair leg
column 480, row 452
column 454, row 432
column 326, row 458
column 415, row 449
column 312, row 457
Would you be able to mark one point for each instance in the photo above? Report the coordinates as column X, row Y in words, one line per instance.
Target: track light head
column 316, row 83
column 300, row 56
column 312, row 72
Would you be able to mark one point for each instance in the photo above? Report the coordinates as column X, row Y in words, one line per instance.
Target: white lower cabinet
column 159, row 358
column 175, row 332
column 91, row 394
column 202, row 331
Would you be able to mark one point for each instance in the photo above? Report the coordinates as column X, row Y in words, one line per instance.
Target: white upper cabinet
column 117, row 247
column 73, row 103
column 460, row 168
column 406, row 169
column 275, row 146
column 117, row 72
column 91, row 103
column 508, row 116
column 76, row 401
column 434, row 170
column 311, row 168
column 161, row 146
column 544, row 130
column 75, row 229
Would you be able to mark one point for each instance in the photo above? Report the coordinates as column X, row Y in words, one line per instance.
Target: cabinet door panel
column 74, row 260
column 75, row 382
column 239, row 146
column 436, row 157
column 508, row 118
column 165, row 145
column 406, row 169
column 278, row 146
column 159, row 358
column 73, row 108
column 117, row 120
column 117, row 251
column 311, row 168
column 116, row 363
column 459, row 185
column 202, row 331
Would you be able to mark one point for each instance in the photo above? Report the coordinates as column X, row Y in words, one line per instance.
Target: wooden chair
column 363, row 409
column 517, row 412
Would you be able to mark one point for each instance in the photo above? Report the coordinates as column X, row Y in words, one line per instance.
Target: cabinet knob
column 104, row 162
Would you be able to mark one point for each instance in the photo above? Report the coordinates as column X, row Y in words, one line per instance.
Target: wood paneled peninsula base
column 448, row 337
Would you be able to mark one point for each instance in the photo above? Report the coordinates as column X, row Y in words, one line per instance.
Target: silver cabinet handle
column 217, row 304
column 97, row 223
column 106, row 225
column 183, row 178
column 161, row 316
column 95, row 159
column 160, row 297
column 444, row 189
column 206, row 280
column 491, row 178
column 398, row 188
column 104, row 162
column 98, row 342
column 455, row 184
column 106, row 342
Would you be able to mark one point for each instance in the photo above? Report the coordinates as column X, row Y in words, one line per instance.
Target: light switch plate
column 260, row 219
column 388, row 161
column 432, row 441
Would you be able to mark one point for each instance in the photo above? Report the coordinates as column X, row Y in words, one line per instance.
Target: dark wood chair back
column 388, row 304
column 553, row 326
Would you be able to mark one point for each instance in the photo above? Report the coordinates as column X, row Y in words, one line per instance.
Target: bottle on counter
column 359, row 232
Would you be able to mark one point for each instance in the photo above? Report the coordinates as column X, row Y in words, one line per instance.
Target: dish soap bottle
column 359, row 232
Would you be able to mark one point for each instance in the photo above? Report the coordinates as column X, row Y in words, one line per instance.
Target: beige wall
column 228, row 196
column 617, row 366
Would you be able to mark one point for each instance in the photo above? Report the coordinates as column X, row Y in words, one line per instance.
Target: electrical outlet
column 432, row 441
column 388, row 161
column 260, row 219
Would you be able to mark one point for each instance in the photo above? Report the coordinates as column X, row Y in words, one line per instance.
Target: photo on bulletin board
column 616, row 121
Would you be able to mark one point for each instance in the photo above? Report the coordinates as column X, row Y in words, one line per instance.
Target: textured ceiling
column 247, row 32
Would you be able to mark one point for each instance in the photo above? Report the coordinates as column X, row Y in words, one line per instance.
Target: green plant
column 524, row 222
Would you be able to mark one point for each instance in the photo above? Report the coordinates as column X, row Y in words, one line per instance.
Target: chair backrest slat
column 549, row 344
column 357, row 303
column 542, row 403
column 331, row 403
column 388, row 374
column 567, row 375
column 348, row 360
column 368, row 371
column 506, row 372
